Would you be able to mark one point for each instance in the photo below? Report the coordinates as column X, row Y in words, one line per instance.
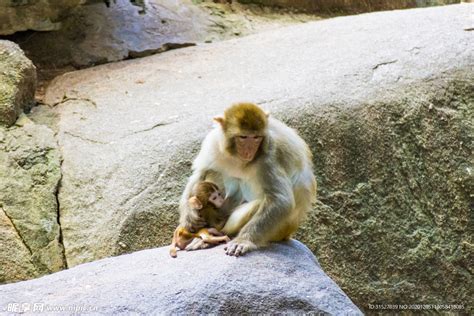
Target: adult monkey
column 267, row 172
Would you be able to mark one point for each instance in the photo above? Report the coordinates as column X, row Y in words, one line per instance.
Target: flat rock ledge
column 283, row 278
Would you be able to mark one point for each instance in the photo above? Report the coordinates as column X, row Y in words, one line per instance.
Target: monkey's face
column 247, row 146
column 216, row 198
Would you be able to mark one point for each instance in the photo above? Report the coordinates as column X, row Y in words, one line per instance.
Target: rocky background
column 385, row 101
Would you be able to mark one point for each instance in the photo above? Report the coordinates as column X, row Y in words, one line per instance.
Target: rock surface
column 345, row 6
column 285, row 278
column 384, row 100
column 42, row 15
column 29, row 176
column 17, row 82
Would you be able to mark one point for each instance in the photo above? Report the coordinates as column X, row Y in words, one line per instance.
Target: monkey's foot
column 239, row 247
column 173, row 253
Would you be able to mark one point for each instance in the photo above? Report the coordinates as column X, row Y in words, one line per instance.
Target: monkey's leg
column 239, row 217
column 274, row 211
column 304, row 197
column 217, row 239
column 173, row 249
column 196, row 244
column 268, row 217
column 209, row 239
column 214, row 232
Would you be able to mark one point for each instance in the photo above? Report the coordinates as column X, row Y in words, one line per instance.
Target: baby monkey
column 206, row 200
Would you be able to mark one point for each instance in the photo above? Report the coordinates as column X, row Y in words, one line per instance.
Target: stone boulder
column 284, row 278
column 30, row 236
column 17, row 82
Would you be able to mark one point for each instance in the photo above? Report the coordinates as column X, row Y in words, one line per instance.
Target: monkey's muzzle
column 247, row 146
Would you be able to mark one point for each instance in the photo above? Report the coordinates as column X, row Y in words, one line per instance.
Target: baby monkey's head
column 206, row 194
column 205, row 201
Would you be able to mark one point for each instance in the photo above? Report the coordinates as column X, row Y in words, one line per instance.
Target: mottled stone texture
column 29, row 176
column 285, row 278
column 394, row 221
column 17, row 82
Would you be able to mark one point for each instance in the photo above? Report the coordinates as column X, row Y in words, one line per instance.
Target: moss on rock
column 29, row 178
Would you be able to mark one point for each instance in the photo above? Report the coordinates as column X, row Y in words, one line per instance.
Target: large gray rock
column 384, row 100
column 285, row 278
column 36, row 15
column 17, row 82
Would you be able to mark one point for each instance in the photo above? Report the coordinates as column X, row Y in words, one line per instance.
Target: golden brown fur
column 211, row 220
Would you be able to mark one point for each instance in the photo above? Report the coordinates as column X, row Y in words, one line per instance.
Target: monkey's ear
column 220, row 120
column 267, row 114
column 194, row 203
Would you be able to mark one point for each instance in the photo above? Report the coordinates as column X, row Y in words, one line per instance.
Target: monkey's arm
column 231, row 202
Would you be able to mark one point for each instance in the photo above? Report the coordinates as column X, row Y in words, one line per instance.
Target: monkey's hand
column 238, row 247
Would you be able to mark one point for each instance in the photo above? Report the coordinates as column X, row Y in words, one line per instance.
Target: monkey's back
column 292, row 152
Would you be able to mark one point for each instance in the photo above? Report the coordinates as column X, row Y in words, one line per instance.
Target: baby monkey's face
column 217, row 199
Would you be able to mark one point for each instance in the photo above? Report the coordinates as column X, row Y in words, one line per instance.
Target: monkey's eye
column 242, row 137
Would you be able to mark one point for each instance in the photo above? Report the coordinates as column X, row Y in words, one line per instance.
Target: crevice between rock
column 58, row 213
column 67, row 99
column 150, row 128
column 384, row 64
column 85, row 138
column 17, row 231
column 152, row 51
